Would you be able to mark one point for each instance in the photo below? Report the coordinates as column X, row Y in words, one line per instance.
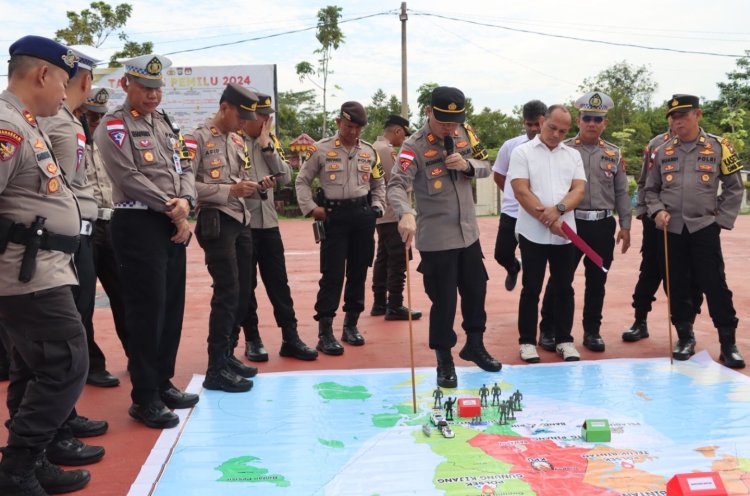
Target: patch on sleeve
column 117, row 132
column 406, row 158
column 730, row 162
column 10, row 142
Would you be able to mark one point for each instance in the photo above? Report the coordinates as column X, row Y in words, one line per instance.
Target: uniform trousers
column 108, row 273
column 85, row 295
column 347, row 252
column 228, row 258
column 389, row 270
column 444, row 272
column 698, row 255
column 152, row 273
column 506, row 243
column 600, row 235
column 561, row 259
column 268, row 258
column 49, row 363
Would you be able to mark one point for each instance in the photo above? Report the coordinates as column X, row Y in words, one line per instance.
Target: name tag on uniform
column 176, row 156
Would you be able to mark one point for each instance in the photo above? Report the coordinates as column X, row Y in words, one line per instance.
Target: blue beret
column 46, row 49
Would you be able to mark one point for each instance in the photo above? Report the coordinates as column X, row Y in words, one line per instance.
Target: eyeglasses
column 596, row 118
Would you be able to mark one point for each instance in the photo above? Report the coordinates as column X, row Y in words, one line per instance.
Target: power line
column 574, row 38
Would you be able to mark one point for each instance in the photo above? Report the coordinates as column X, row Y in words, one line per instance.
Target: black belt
column 21, row 234
column 349, row 202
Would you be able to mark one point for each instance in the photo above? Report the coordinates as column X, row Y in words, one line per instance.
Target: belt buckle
column 86, row 228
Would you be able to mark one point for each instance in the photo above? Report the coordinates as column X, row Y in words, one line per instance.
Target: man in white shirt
column 548, row 180
column 506, row 242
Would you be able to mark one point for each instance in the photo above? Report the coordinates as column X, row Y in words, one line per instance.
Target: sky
column 447, row 42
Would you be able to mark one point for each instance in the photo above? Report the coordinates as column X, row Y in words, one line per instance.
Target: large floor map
column 354, row 433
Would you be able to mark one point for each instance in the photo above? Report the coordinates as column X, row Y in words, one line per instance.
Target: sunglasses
column 596, row 118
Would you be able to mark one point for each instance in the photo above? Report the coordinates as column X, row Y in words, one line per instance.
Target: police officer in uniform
column 606, row 192
column 107, row 270
column 223, row 229
column 681, row 194
column 153, row 190
column 268, row 167
column 351, row 197
column 438, row 162
column 389, row 270
column 39, row 232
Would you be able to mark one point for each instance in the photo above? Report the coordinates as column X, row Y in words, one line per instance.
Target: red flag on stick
column 583, row 246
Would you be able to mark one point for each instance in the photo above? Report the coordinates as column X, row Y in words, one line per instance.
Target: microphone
column 448, row 144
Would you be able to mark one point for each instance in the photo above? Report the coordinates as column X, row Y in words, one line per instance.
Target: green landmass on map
column 335, row 391
column 331, row 443
column 238, row 470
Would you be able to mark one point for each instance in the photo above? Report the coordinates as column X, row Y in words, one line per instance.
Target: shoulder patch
column 116, row 131
column 10, row 141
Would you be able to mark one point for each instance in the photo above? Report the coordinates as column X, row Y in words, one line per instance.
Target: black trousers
column 600, row 235
column 108, row 273
column 561, row 259
column 389, row 270
column 49, row 363
column 152, row 271
column 698, row 255
column 506, row 243
column 268, row 258
column 444, row 272
column 85, row 296
column 651, row 273
column 228, row 258
column 347, row 252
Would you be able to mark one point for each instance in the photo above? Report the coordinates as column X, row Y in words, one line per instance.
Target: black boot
column 351, row 334
column 638, row 331
column 730, row 355
column 547, row 339
column 240, row 368
column 254, row 349
column 17, row 477
column 474, row 351
column 378, row 307
column 55, row 480
column 685, row 347
column 593, row 340
column 401, row 313
column 446, row 370
column 326, row 341
column 220, row 377
column 293, row 346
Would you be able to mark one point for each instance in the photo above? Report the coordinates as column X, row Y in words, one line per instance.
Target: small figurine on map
column 511, row 412
column 502, row 409
column 495, row 394
column 518, row 397
column 483, row 393
column 438, row 395
column 449, row 408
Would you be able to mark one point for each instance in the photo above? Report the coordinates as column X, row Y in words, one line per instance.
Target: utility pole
column 404, row 92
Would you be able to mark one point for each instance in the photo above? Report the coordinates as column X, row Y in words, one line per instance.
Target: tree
column 735, row 93
column 377, row 112
column 95, row 25
column 330, row 37
column 299, row 112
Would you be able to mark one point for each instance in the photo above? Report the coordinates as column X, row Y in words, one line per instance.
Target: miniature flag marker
column 596, row 431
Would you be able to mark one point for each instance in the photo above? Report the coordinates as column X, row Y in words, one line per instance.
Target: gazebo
column 301, row 148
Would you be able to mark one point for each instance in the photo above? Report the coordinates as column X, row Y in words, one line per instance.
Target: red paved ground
column 129, row 443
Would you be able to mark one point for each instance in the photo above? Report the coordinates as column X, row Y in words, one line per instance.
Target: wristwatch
column 190, row 200
column 561, row 207
column 268, row 148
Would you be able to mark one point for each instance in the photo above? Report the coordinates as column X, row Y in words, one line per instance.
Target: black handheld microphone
column 448, row 144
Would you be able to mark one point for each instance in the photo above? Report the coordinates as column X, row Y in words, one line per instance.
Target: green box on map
column 596, row 431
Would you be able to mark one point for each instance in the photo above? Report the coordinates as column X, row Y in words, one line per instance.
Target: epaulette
column 477, row 149
column 572, row 141
column 611, row 145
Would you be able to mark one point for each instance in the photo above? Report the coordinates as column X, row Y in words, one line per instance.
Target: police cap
column 354, row 112
column 245, row 100
column 88, row 57
column 97, row 100
column 397, row 120
column 265, row 105
column 448, row 104
column 147, row 69
column 48, row 50
column 594, row 102
column 682, row 103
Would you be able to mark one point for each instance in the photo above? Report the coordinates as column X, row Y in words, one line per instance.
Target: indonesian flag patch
column 406, row 158
column 192, row 147
column 81, row 140
column 117, row 132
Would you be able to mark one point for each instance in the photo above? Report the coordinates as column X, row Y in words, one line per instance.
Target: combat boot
column 293, row 346
column 55, row 480
column 351, row 334
column 220, row 377
column 255, row 351
column 730, row 355
column 638, row 331
column 446, row 370
column 685, row 347
column 378, row 307
column 240, row 368
column 326, row 341
column 593, row 341
column 17, row 477
column 474, row 351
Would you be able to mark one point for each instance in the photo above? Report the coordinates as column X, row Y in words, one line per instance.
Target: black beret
column 354, row 112
column 245, row 100
column 265, row 105
column 46, row 49
column 448, row 104
column 397, row 120
column 682, row 103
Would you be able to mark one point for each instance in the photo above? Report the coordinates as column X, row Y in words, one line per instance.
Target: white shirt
column 502, row 162
column 550, row 174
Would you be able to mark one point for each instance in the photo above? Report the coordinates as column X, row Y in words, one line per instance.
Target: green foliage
column 736, row 92
column 299, row 112
column 378, row 111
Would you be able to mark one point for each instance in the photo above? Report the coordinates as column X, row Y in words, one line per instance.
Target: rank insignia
column 148, row 156
column 337, row 143
column 135, row 113
column 214, row 131
column 53, row 185
column 706, row 151
column 332, row 154
column 430, row 153
column 29, row 118
column 215, row 173
column 462, row 144
column 436, row 171
column 52, row 168
column 578, row 141
column 609, row 153
column 9, row 143
column 438, row 184
column 431, row 139
column 669, row 151
column 39, row 145
column 365, row 155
